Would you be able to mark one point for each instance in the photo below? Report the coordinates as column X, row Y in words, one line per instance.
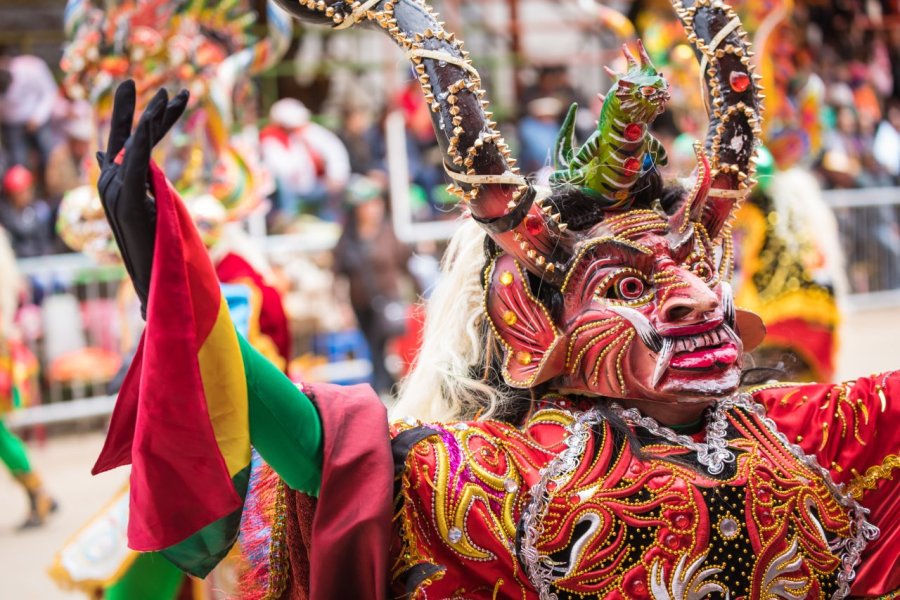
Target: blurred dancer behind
column 374, row 261
column 67, row 167
column 309, row 162
column 28, row 94
column 12, row 450
column 27, row 219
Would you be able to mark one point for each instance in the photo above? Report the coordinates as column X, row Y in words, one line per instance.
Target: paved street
column 868, row 346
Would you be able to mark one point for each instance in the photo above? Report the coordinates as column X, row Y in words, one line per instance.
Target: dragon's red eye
column 648, row 90
column 630, row 288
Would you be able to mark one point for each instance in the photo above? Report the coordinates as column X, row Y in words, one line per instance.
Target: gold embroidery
column 860, row 483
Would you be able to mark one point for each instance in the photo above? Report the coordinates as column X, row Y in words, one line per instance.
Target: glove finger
column 173, row 112
column 137, row 152
column 122, row 118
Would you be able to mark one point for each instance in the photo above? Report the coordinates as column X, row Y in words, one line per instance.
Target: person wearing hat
column 309, row 163
column 374, row 262
column 67, row 167
column 27, row 219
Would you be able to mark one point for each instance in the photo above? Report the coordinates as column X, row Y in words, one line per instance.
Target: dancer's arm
column 284, row 425
column 849, row 427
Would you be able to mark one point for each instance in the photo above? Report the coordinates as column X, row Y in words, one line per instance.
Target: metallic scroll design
column 542, row 570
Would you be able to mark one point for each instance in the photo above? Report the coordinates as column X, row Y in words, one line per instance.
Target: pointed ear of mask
column 750, row 328
column 532, row 346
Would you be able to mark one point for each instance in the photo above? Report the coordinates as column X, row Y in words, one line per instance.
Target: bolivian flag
column 181, row 418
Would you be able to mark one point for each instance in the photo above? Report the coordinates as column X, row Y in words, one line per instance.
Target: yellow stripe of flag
column 225, row 388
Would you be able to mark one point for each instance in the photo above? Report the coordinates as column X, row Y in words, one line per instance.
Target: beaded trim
column 542, row 570
column 278, row 553
column 713, row 454
column 862, row 532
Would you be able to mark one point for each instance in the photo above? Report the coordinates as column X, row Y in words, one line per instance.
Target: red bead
column 575, row 499
column 631, row 165
column 739, row 81
column 551, row 485
column 634, row 131
column 672, row 541
column 764, row 495
column 534, row 224
column 682, row 521
column 638, row 586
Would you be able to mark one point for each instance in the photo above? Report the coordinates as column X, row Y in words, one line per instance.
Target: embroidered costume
column 595, row 440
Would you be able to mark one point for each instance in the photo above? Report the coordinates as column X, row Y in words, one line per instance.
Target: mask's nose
column 690, row 303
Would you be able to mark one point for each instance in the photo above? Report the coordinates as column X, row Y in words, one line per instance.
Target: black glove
column 130, row 209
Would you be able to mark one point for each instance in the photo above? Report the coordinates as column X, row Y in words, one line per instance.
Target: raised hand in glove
column 124, row 191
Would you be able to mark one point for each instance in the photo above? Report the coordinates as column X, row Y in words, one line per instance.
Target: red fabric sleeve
column 351, row 525
column 852, row 430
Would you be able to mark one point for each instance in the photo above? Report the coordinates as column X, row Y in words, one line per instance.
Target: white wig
column 450, row 379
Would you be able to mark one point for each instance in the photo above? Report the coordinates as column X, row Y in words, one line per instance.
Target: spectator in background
column 27, row 220
column 552, row 81
column 309, row 163
column 363, row 140
column 846, row 152
column 375, row 262
column 28, row 94
column 537, row 134
column 67, row 166
column 887, row 141
column 424, row 157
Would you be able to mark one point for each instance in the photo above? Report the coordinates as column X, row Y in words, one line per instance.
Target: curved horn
column 475, row 155
column 734, row 105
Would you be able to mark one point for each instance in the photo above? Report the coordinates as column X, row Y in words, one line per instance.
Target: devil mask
column 646, row 311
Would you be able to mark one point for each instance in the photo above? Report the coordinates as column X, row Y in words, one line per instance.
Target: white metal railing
column 869, row 226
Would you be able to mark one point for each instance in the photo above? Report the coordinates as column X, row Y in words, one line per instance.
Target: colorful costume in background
column 209, row 48
column 18, row 368
column 603, row 297
column 791, row 266
column 214, row 50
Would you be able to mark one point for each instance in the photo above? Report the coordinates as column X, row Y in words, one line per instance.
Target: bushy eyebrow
column 630, row 254
column 616, row 251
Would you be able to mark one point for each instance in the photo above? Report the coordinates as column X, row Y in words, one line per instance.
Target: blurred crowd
column 47, row 141
column 856, row 52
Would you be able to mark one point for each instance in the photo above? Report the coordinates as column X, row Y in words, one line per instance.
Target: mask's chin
column 689, row 385
column 693, row 387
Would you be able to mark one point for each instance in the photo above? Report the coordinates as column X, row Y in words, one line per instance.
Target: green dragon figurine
column 621, row 149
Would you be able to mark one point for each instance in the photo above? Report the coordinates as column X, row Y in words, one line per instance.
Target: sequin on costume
column 614, row 524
